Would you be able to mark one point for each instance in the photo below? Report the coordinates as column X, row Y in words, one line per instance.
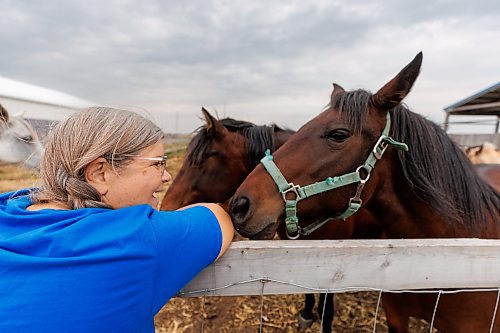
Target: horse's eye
column 338, row 135
column 212, row 153
column 27, row 138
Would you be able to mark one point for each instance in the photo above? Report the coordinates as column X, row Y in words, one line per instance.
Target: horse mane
column 258, row 139
column 437, row 171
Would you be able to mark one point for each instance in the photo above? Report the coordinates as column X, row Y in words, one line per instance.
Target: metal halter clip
column 296, row 236
column 363, row 181
column 293, row 188
column 357, row 197
column 383, row 146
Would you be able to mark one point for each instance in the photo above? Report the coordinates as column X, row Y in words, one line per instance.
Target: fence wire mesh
column 266, row 280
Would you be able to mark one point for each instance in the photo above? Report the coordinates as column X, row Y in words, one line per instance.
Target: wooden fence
column 292, row 267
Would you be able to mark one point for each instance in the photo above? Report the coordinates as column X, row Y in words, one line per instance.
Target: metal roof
column 484, row 103
column 30, row 93
column 37, row 102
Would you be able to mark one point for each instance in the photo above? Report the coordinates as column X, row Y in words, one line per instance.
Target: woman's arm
column 225, row 223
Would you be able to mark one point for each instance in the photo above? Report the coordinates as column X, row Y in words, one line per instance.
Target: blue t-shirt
column 96, row 270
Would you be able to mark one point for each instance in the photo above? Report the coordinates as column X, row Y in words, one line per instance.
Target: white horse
column 19, row 142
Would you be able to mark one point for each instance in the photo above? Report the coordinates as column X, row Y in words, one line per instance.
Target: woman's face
column 138, row 181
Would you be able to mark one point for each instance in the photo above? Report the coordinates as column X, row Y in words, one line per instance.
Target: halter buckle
column 355, row 200
column 383, row 146
column 293, row 188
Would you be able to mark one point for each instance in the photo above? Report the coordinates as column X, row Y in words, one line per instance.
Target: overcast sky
column 262, row 61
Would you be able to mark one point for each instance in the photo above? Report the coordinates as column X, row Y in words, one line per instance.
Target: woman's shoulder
column 4, row 197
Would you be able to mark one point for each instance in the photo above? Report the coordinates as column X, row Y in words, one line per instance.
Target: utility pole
column 176, row 123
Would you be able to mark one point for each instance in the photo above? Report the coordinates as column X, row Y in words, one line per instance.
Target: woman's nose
column 166, row 176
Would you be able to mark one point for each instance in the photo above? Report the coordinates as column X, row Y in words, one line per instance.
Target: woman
column 88, row 251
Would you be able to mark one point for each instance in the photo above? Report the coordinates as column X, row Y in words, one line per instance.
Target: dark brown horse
column 490, row 173
column 431, row 191
column 218, row 159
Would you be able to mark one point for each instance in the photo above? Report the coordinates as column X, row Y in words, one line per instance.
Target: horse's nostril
column 239, row 209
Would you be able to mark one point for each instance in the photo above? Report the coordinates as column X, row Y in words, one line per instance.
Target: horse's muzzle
column 239, row 209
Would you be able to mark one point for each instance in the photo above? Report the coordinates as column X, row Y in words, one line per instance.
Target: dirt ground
column 354, row 312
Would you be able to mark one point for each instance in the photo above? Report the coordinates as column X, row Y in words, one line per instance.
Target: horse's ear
column 391, row 95
column 4, row 115
column 337, row 91
column 213, row 126
column 19, row 114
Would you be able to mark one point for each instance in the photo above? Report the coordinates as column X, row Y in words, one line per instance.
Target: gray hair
column 117, row 135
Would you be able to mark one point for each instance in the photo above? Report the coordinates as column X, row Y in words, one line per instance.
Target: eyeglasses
column 162, row 161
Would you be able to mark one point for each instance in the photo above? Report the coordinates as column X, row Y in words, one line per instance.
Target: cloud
column 259, row 60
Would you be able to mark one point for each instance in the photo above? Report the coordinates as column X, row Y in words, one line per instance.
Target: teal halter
column 293, row 230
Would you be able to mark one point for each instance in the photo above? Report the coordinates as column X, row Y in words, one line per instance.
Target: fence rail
column 293, row 267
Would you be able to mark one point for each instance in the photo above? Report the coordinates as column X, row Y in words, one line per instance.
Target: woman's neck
column 49, row 205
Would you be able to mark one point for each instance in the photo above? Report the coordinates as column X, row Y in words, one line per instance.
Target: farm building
column 485, row 103
column 40, row 106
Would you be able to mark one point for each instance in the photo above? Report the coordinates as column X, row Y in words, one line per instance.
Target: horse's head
column 214, row 166
column 19, row 142
column 484, row 154
column 335, row 143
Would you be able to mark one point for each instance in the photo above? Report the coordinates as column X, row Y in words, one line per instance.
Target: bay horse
column 19, row 143
column 358, row 144
column 218, row 159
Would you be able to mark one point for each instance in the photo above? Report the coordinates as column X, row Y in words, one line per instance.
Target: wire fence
column 264, row 280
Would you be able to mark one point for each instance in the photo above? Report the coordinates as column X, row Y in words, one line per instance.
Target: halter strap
column 293, row 230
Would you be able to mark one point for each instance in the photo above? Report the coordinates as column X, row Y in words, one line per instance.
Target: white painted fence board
column 351, row 264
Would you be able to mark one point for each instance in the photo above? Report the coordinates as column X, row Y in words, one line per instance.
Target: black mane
column 258, row 139
column 438, row 172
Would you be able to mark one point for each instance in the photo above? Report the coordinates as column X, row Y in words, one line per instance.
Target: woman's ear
column 97, row 174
